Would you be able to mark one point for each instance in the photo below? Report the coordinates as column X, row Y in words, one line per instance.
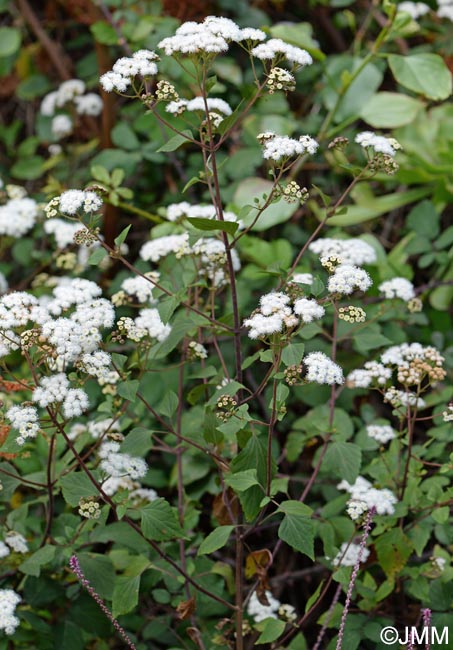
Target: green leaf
column 122, row 236
column 314, row 597
column 169, row 404
column 343, row 459
column 293, row 353
column 296, row 528
column 300, row 35
column 104, row 33
column 213, row 224
column 128, row 389
column 389, row 110
column 76, row 485
column 274, row 214
column 124, row 137
column 215, row 540
column 97, row 256
column 176, row 141
column 98, row 570
column 393, row 550
column 32, row 565
column 424, row 73
column 34, row 86
column 125, row 594
column 100, row 173
column 241, row 481
column 272, row 629
column 441, row 515
column 69, row 636
column 160, row 522
column 10, row 39
column 28, row 168
column 424, row 219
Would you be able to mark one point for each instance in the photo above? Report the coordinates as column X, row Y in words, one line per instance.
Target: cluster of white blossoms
column 378, row 143
column 302, row 278
column 18, row 216
column 398, row 288
column 116, row 464
column 322, row 370
column 70, row 91
column 373, row 372
column 445, row 9
column 274, row 609
column 126, row 69
column 348, row 555
column 25, row 420
column 276, row 50
column 383, row 500
column 179, row 211
column 348, row 251
column 8, row 603
column 281, row 147
column 55, row 390
column 148, row 324
column 213, row 104
column 276, row 314
column 209, row 253
column 382, row 433
column 348, row 278
column 356, row 509
column 447, row 415
column 70, row 202
column 16, row 542
column 414, row 9
column 403, row 398
column 141, row 287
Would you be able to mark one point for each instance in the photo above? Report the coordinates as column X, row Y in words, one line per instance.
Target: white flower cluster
column 322, row 370
column 62, row 230
column 398, row 288
column 445, row 9
column 211, row 36
column 447, row 415
column 116, row 464
column 277, row 50
column 348, row 555
column 414, row 9
column 55, row 390
column 71, row 201
column 379, row 143
column 302, row 278
column 209, row 252
column 383, row 500
column 16, row 542
column 398, row 398
column 349, row 251
column 140, row 287
column 214, row 105
column 8, row 603
column 356, row 509
column 402, row 355
column 18, row 216
column 382, row 433
column 72, row 90
column 25, row 420
column 371, row 372
column 260, row 612
column 178, row 211
column 147, row 324
column 125, row 69
column 275, row 314
column 281, row 147
column 347, row 278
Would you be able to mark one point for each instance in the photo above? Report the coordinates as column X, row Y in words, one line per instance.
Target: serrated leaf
column 213, row 224
column 215, row 540
column 32, row 565
column 128, row 389
column 343, row 459
column 241, row 481
column 175, row 142
column 76, row 485
column 272, row 629
column 160, row 522
column 125, row 594
column 296, row 529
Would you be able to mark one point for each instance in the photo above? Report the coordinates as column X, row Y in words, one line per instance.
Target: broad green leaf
column 28, row 168
column 125, row 594
column 160, row 522
column 76, row 485
column 300, row 35
column 356, row 214
column 393, row 550
column 343, row 459
column 104, row 33
column 292, row 354
column 32, row 565
column 241, row 481
column 296, row 528
column 424, row 73
column 387, row 110
column 176, row 141
column 98, row 570
column 215, row 540
column 213, row 224
column 272, row 629
column 69, row 636
column 128, row 389
column 275, row 213
column 253, row 456
column 169, row 404
column 123, row 136
column 100, row 173
column 10, row 39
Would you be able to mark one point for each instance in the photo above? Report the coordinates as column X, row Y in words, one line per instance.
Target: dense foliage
column 226, row 281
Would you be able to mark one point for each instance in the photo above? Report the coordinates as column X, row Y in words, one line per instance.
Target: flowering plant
column 245, row 398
